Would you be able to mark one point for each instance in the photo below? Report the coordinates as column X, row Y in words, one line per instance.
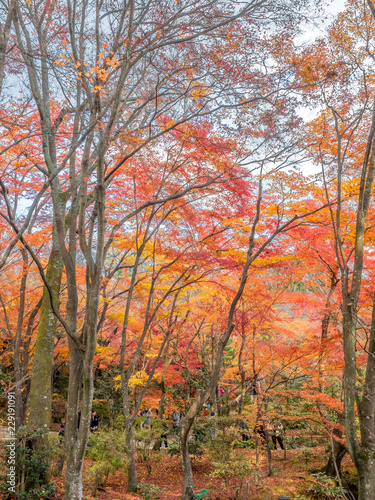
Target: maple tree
column 86, row 105
column 345, row 144
column 153, row 228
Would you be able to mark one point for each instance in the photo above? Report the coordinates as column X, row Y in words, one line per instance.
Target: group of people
column 147, row 416
column 264, row 428
column 94, row 424
column 174, row 417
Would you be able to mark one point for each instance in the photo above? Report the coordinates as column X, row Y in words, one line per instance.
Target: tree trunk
column 269, row 456
column 337, row 454
column 76, row 442
column 81, row 372
column 256, row 471
column 19, row 406
column 40, row 396
column 59, row 465
column 242, row 372
column 163, row 398
column 4, row 38
column 73, row 480
column 187, row 472
column 366, row 476
column 338, row 450
column 130, row 450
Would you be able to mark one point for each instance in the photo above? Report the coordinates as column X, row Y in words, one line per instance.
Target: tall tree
column 345, row 147
column 118, row 75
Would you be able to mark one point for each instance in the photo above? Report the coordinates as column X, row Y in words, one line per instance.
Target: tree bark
column 338, row 449
column 366, row 477
column 19, row 406
column 40, row 396
column 185, row 427
column 130, row 450
column 76, row 441
column 4, row 38
column 242, row 371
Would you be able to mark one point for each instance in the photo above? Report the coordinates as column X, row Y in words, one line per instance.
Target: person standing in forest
column 244, row 430
column 147, row 416
column 213, row 427
column 165, row 428
column 62, row 430
column 175, row 418
column 262, row 427
column 94, row 424
column 276, row 434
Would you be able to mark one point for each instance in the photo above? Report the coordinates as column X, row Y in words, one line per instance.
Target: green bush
column 119, row 423
column 107, row 450
column 146, row 440
column 325, row 488
column 149, row 491
column 245, row 444
column 173, row 449
column 31, row 466
column 229, row 463
column 102, row 410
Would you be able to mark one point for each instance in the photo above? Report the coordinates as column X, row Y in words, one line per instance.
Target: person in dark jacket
column 94, row 421
column 62, row 430
column 262, row 428
column 244, row 431
column 165, row 429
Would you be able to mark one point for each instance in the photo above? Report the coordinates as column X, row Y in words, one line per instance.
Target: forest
column 187, row 250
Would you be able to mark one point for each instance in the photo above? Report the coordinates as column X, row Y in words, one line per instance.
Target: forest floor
column 291, row 477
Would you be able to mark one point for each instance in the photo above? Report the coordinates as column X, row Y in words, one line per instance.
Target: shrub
column 108, row 452
column 244, row 444
column 119, row 423
column 31, row 466
column 325, row 488
column 229, row 463
column 149, row 491
column 173, row 449
column 101, row 408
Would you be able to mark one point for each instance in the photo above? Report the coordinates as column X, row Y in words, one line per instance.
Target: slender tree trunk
column 40, row 396
column 324, row 336
column 187, row 472
column 76, row 441
column 269, row 456
column 19, row 407
column 338, row 449
column 130, row 450
column 73, row 479
column 256, row 478
column 4, row 37
column 59, row 465
column 366, row 407
column 163, row 399
column 242, row 372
